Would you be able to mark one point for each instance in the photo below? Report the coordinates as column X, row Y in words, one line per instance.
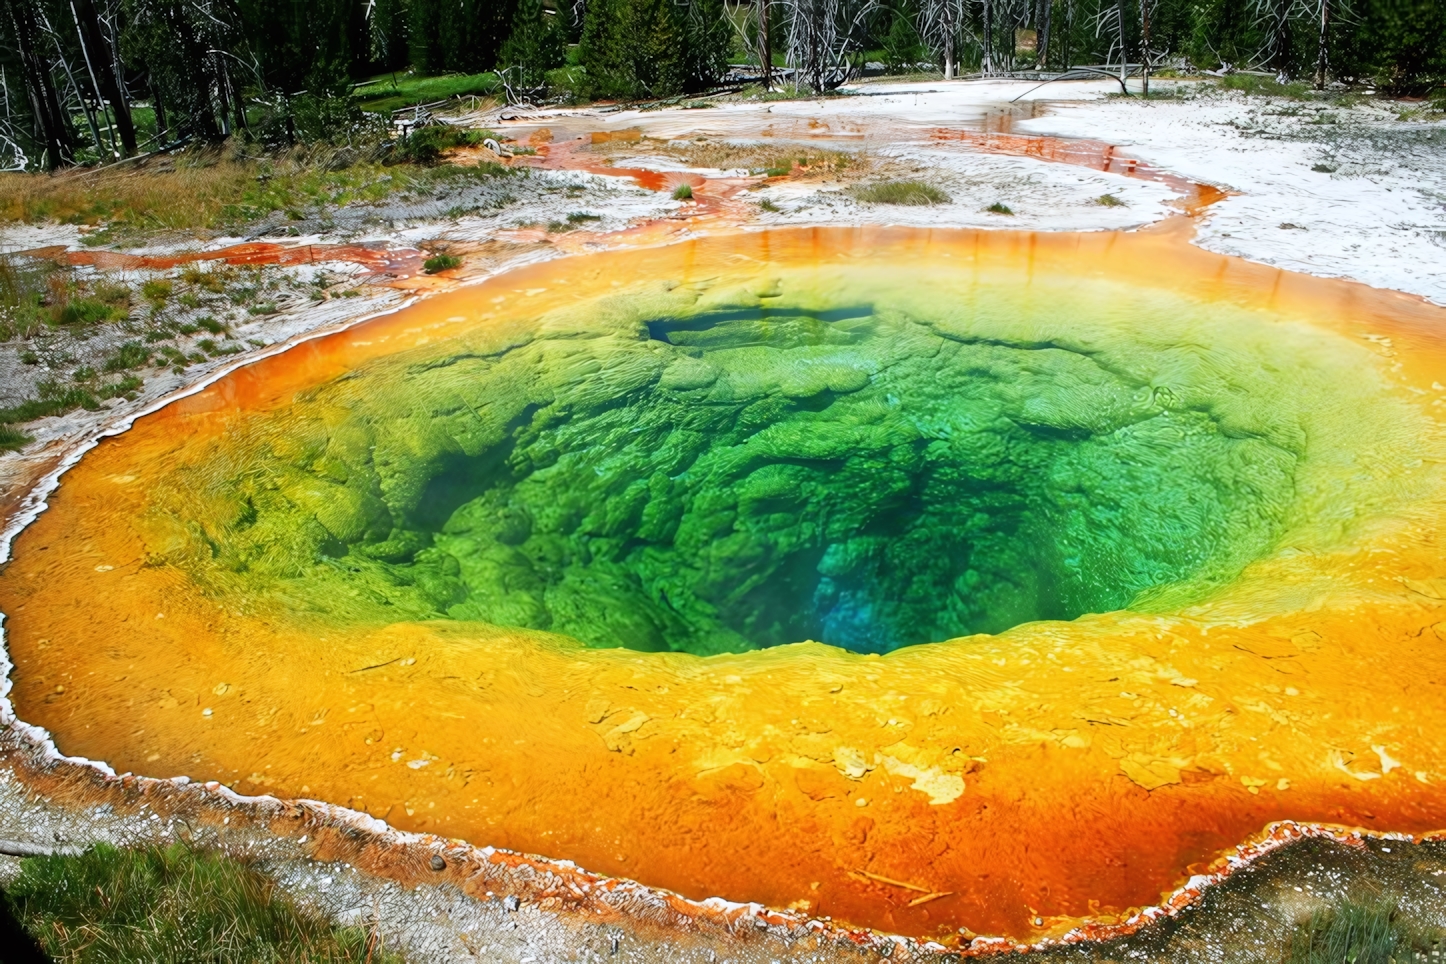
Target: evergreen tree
column 459, row 35
column 654, row 48
column 659, row 54
column 1398, row 44
column 1223, row 33
column 710, row 41
column 606, row 49
column 902, row 46
column 538, row 43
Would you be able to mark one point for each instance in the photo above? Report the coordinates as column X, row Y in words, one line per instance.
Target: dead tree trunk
column 1280, row 12
column 53, row 124
column 948, row 32
column 162, row 130
column 1322, row 54
column 74, row 86
column 103, row 75
column 765, row 44
column 986, row 65
column 1124, row 44
column 1145, row 44
column 1041, row 40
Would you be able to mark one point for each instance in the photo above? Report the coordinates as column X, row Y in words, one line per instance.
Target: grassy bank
column 174, row 904
column 210, row 190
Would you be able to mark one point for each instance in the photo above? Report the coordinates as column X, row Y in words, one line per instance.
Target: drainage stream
column 457, row 567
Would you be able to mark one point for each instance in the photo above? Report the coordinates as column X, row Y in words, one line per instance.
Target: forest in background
column 93, row 81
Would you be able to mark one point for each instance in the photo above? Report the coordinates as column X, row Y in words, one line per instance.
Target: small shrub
column 1323, row 168
column 999, row 207
column 577, row 217
column 440, row 262
column 426, row 144
column 264, row 308
column 683, row 192
column 778, row 171
column 900, row 192
column 210, row 324
column 767, row 205
column 1109, row 201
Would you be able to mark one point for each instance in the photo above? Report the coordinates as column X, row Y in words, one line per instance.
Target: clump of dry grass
column 209, row 190
column 177, row 197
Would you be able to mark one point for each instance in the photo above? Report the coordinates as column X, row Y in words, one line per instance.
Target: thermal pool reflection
column 668, row 562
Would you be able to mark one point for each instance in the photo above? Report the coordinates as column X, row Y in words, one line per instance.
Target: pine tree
column 605, row 50
column 538, row 43
column 710, row 41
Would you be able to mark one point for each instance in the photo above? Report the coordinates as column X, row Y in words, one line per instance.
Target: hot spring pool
column 1029, row 569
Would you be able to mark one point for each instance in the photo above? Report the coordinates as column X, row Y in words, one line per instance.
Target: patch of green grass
column 1355, row 933
column 361, row 183
column 87, row 311
column 440, row 262
column 767, row 205
column 126, row 386
column 1109, row 201
column 493, row 169
column 780, row 171
column 384, row 95
column 683, row 192
column 899, row 192
column 578, row 217
column 1252, row 84
column 12, row 439
column 54, row 399
column 999, row 207
column 130, row 355
column 157, row 290
column 171, row 905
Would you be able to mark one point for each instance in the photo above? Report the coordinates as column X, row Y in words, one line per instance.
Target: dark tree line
column 97, row 80
column 1400, row 44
